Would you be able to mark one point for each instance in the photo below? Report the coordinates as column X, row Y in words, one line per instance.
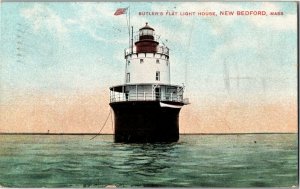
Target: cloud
column 217, row 23
column 282, row 23
column 98, row 21
column 95, row 20
column 232, row 46
column 43, row 17
column 220, row 23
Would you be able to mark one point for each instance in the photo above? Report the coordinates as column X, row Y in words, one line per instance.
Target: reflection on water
column 145, row 159
column 141, row 161
column 154, row 159
column 195, row 161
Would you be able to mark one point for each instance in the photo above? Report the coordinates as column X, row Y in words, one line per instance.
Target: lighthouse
column 146, row 106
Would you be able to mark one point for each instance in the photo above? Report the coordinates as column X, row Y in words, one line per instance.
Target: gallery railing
column 160, row 50
column 143, row 96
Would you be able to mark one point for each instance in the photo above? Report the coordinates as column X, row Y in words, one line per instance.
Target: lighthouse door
column 157, row 93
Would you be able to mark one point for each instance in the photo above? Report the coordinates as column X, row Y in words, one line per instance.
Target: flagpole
column 129, row 26
column 131, row 39
column 126, row 11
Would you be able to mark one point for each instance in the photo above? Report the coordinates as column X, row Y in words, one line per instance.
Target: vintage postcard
column 149, row 94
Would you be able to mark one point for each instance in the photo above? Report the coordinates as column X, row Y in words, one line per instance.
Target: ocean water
column 250, row 160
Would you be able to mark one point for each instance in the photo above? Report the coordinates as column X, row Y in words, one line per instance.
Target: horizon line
column 179, row 133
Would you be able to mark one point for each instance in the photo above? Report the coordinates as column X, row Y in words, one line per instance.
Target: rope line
column 102, row 126
column 112, row 122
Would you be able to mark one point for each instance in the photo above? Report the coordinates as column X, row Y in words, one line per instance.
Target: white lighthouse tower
column 150, row 63
column 146, row 106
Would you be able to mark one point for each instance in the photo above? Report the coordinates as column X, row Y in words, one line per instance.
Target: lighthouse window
column 167, row 62
column 141, row 61
column 128, row 62
column 128, row 78
column 157, row 61
column 157, row 77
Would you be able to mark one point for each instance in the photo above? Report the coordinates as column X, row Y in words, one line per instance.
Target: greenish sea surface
column 247, row 160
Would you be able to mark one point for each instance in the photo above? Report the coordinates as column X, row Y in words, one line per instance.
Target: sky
column 59, row 59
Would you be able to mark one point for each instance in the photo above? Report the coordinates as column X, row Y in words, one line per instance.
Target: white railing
column 160, row 49
column 143, row 96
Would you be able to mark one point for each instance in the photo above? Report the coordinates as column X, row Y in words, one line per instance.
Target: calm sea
column 251, row 160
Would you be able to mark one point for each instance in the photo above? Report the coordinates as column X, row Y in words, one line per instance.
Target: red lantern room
column 146, row 42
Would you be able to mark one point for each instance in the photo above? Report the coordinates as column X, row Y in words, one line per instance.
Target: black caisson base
column 145, row 122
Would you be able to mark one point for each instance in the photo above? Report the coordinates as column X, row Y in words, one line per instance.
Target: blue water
column 253, row 160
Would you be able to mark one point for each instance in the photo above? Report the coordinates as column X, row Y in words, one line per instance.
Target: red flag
column 120, row 11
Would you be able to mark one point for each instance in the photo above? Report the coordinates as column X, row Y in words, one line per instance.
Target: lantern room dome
column 146, row 27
